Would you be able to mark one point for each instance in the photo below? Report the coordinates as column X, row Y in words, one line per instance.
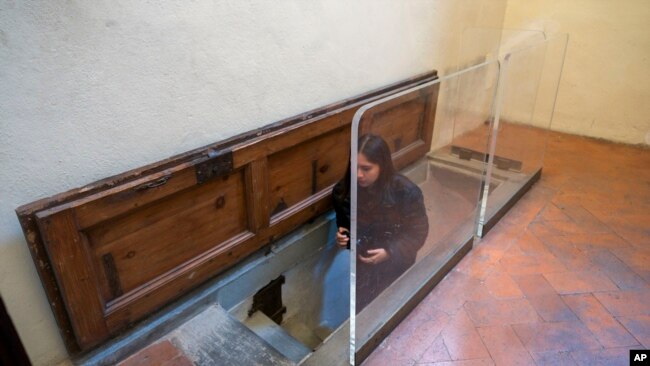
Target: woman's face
column 367, row 172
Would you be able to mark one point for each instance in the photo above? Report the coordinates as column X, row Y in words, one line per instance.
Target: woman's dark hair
column 375, row 149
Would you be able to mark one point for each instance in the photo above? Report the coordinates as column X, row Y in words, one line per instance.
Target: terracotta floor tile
column 643, row 273
column 605, row 206
column 429, row 306
column 514, row 250
column 489, row 252
column 541, row 230
column 561, row 336
column 530, row 207
column 597, row 241
column 540, row 195
column 462, row 340
column 501, row 312
column 502, row 286
column 544, row 299
column 570, row 256
column 411, row 338
column 530, row 245
column 552, row 213
column 455, row 289
column 625, row 303
column 180, row 360
column 557, row 241
column 623, row 202
column 423, row 312
column 617, row 271
column 638, row 220
column 155, row 354
column 437, row 352
column 475, row 267
column 552, row 180
column 609, row 332
column 639, row 326
column 633, row 256
column 502, row 235
column 504, row 346
column 484, row 256
column 571, row 192
column 552, row 228
column 383, row 357
column 534, row 285
column 521, row 264
column 551, row 308
column 409, row 343
column 522, row 215
column 636, row 258
column 553, row 358
column 476, row 362
column 605, row 357
column 574, row 259
column 585, row 219
column 633, row 228
column 386, row 354
column 569, row 195
column 579, row 282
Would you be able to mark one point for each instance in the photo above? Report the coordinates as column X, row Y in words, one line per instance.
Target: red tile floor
column 563, row 279
column 161, row 354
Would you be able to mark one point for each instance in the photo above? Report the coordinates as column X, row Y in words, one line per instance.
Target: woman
column 391, row 219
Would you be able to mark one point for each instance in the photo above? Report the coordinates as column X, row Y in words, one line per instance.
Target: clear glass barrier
column 529, row 81
column 531, row 64
column 414, row 200
column 488, row 44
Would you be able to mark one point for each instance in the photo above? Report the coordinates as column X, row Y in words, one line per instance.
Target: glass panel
column 529, row 80
column 488, row 44
column 413, row 197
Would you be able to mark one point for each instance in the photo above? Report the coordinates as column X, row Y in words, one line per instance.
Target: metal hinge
column 218, row 163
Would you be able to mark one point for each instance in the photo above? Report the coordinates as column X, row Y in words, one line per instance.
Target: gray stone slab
column 277, row 337
column 214, row 337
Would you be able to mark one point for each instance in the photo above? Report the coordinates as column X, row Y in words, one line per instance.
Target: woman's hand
column 375, row 256
column 342, row 240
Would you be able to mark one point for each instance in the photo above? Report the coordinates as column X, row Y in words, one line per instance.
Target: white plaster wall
column 92, row 89
column 605, row 86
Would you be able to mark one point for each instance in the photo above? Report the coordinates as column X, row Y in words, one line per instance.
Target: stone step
column 277, row 337
column 214, row 337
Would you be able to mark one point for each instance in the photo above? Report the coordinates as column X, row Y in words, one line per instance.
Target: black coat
column 394, row 219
